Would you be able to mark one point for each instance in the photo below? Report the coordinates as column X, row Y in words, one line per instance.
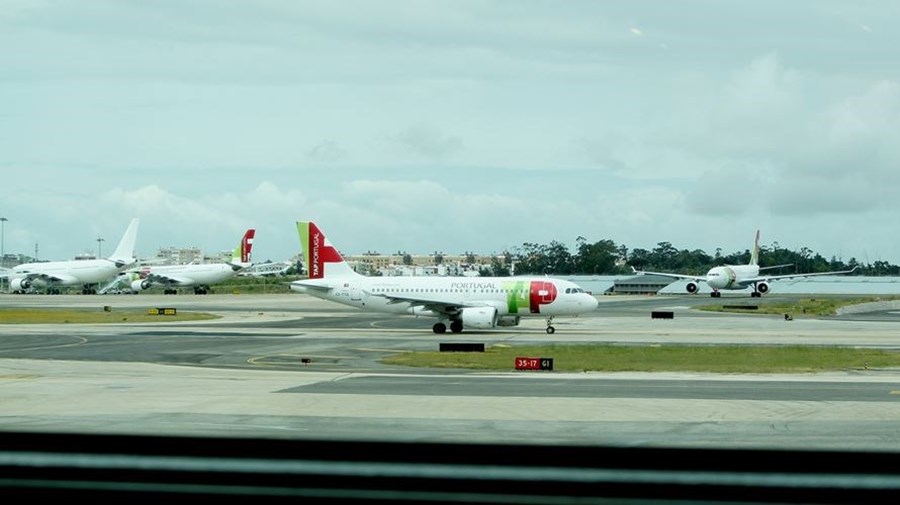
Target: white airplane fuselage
column 510, row 296
column 731, row 276
column 191, row 275
column 62, row 273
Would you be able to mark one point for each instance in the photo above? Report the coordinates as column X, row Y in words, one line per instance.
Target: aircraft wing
column 436, row 306
column 776, row 266
column 50, row 278
column 169, row 279
column 696, row 278
column 794, row 276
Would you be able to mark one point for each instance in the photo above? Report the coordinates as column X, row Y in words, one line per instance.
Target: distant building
column 403, row 264
column 179, row 255
column 641, row 285
column 270, row 268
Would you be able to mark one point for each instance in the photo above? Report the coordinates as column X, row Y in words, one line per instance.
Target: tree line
column 605, row 257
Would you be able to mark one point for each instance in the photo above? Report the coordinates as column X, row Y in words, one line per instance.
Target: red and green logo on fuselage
column 528, row 294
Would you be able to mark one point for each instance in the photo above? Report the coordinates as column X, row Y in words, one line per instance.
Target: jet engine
column 140, row 285
column 479, row 317
column 691, row 287
column 19, row 284
column 762, row 287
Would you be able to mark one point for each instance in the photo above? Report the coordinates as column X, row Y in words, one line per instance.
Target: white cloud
column 447, row 125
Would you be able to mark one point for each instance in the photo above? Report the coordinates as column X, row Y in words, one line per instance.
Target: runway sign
column 524, row 363
column 167, row 311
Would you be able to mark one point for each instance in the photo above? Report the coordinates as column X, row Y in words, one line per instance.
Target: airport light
column 99, row 248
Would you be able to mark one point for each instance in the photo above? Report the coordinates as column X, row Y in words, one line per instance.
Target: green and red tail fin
column 321, row 259
column 242, row 253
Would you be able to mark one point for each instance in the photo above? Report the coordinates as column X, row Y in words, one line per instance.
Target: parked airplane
column 470, row 302
column 50, row 275
column 738, row 276
column 200, row 276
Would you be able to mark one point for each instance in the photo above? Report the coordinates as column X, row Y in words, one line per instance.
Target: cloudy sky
column 458, row 125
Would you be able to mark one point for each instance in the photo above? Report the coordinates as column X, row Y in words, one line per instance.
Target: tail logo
column 316, row 272
column 319, row 253
column 247, row 245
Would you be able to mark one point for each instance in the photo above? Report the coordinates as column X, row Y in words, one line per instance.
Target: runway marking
column 81, row 341
column 895, row 392
column 258, row 360
column 18, row 376
column 372, row 349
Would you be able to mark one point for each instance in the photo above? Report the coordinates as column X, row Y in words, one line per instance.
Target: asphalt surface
column 277, row 366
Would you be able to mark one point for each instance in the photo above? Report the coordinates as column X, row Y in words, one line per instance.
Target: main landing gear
column 440, row 327
column 716, row 294
column 456, row 327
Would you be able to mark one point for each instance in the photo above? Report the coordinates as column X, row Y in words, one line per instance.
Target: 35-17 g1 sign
column 524, row 363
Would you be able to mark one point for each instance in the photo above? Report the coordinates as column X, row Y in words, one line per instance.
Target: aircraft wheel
column 456, row 326
column 551, row 330
column 439, row 328
column 754, row 294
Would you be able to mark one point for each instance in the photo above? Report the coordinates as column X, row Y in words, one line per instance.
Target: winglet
column 124, row 253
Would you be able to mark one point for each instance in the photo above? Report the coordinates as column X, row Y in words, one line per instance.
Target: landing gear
column 716, row 294
column 201, row 290
column 170, row 291
column 755, row 294
column 440, row 327
column 550, row 329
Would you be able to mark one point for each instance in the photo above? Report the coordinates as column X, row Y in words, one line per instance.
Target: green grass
column 662, row 358
column 809, row 307
column 85, row 316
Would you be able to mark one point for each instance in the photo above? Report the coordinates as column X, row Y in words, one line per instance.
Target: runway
column 292, row 366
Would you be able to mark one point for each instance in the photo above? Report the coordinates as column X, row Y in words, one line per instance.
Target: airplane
column 738, row 276
column 200, row 276
column 50, row 275
column 460, row 302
